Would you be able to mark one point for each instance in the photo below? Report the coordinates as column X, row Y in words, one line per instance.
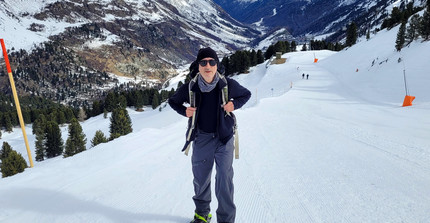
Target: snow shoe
column 201, row 219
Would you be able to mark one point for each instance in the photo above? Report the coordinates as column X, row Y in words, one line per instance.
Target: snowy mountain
column 312, row 17
column 337, row 147
column 142, row 40
column 35, row 20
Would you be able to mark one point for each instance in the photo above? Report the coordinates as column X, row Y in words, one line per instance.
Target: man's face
column 208, row 71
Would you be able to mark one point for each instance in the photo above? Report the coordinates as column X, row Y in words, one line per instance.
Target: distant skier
column 307, row 76
column 212, row 133
column 303, row 76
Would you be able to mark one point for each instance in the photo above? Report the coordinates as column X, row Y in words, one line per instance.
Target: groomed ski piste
column 337, row 147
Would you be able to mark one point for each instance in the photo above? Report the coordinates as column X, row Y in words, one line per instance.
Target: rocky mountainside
column 312, row 17
column 75, row 50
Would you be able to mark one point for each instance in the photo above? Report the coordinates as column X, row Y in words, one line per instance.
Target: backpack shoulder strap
column 224, row 92
column 192, row 123
column 192, row 95
column 225, row 100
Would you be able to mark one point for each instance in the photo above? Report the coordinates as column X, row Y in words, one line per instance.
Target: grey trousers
column 207, row 150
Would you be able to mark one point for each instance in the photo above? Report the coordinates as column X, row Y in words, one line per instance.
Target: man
column 212, row 134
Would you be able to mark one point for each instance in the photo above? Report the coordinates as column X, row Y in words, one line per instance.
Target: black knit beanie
column 207, row 52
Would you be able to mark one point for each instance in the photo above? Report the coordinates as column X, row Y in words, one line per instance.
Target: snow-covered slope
column 337, row 147
column 14, row 26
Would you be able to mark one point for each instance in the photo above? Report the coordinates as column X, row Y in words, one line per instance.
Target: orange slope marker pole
column 408, row 98
column 15, row 96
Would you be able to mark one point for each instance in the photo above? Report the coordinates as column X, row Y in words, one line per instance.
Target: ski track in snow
column 330, row 202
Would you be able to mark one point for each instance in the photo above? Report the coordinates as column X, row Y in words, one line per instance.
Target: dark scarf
column 205, row 86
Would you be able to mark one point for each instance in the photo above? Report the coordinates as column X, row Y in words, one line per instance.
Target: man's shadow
column 54, row 203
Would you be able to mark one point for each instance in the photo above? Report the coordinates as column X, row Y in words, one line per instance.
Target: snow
column 16, row 18
column 14, row 24
column 335, row 148
column 274, row 12
column 270, row 39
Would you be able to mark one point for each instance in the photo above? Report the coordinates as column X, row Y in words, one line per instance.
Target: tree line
column 412, row 28
column 49, row 142
column 31, row 108
column 399, row 15
column 133, row 97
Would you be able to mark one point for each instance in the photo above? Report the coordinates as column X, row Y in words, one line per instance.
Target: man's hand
column 190, row 111
column 229, row 107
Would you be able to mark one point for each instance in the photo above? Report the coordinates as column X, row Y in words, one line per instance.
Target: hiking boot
column 201, row 219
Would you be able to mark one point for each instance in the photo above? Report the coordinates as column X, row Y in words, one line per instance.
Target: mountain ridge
column 145, row 41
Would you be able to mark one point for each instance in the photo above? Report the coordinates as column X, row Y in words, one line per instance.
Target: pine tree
column 40, row 147
column 293, row 46
column 254, row 59
column 99, row 137
column 400, row 41
column 122, row 101
column 269, row 52
column 425, row 23
column 304, row 47
column 54, row 143
column 76, row 141
column 96, row 109
column 61, row 117
column 412, row 29
column 139, row 101
column 38, row 123
column 280, row 47
column 155, row 102
column 260, row 57
column 39, row 130
column 105, row 113
column 120, row 123
column 396, row 16
column 110, row 101
column 5, row 150
column 14, row 163
column 145, row 98
column 245, row 62
column 351, row 34
column 8, row 122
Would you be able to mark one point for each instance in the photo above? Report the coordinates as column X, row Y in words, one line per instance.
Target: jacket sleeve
column 177, row 100
column 238, row 94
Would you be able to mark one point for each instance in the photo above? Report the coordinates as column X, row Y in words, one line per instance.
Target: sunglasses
column 203, row 63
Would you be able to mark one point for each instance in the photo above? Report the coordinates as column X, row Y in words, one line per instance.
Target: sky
column 337, row 147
